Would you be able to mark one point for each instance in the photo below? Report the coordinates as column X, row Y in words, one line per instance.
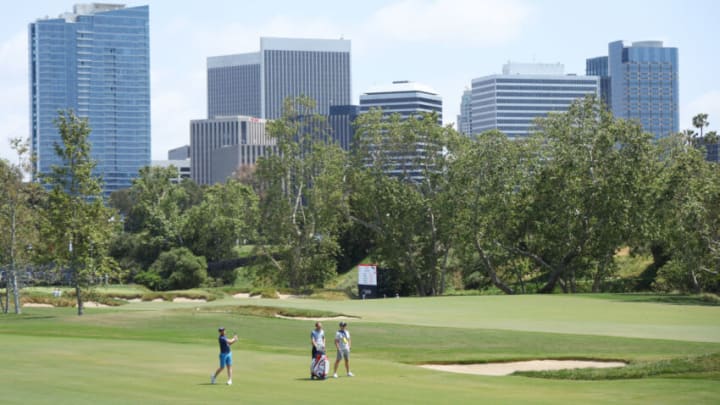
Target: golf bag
column 320, row 365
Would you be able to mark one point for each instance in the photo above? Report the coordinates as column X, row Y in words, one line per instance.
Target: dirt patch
column 183, row 299
column 37, row 305
column 498, row 369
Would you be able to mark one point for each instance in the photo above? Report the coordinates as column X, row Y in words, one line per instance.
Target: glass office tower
column 96, row 61
column 643, row 84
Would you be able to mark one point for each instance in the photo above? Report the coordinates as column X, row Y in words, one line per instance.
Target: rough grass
column 705, row 366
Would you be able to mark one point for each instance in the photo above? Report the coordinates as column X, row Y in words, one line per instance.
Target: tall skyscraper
column 96, row 61
column 641, row 84
column 511, row 102
column 464, row 119
column 256, row 84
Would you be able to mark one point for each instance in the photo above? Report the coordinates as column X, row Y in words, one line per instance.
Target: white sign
column 367, row 274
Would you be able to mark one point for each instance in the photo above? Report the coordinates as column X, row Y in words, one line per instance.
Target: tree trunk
column 491, row 271
column 695, row 285
column 80, row 306
column 16, row 292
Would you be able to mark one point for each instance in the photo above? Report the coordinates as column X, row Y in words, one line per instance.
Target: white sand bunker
column 532, row 365
column 37, row 305
column 304, row 318
column 183, row 299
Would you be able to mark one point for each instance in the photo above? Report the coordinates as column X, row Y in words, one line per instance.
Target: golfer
column 317, row 338
column 343, row 343
column 225, row 356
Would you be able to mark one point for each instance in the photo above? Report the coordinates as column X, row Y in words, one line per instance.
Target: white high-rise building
column 510, row 102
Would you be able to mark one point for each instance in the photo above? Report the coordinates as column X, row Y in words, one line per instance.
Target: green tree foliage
column 687, row 217
column 303, row 204
column 19, row 219
column 79, row 226
column 491, row 183
column 400, row 193
column 589, row 194
column 175, row 269
column 226, row 217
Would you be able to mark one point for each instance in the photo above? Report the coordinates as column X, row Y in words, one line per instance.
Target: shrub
column 176, row 269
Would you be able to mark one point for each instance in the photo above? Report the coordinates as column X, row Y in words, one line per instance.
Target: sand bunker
column 532, row 365
column 304, row 318
column 183, row 299
column 37, row 305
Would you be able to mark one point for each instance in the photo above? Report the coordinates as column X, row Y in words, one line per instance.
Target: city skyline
column 441, row 43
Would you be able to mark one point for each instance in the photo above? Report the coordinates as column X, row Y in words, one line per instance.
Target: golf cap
column 343, row 323
column 220, row 329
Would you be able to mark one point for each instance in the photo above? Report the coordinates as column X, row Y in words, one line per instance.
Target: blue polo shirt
column 224, row 346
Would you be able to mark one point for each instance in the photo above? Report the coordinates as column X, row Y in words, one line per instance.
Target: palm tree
column 700, row 121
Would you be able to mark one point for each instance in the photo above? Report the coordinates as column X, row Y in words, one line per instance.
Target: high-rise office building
column 341, row 120
column 406, row 99
column 95, row 61
column 256, row 84
column 640, row 82
column 464, row 119
column 402, row 97
column 220, row 146
column 511, row 102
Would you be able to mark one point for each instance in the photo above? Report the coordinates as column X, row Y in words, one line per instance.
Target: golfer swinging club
column 225, row 356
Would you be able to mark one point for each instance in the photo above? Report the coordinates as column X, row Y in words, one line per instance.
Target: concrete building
column 182, row 166
column 256, row 84
column 179, row 153
column 341, row 121
column 95, row 61
column 464, row 119
column 510, row 102
column 640, row 82
column 221, row 145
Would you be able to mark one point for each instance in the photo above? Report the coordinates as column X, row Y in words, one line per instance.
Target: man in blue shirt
column 225, row 356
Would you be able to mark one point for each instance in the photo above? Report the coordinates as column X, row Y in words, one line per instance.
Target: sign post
column 367, row 281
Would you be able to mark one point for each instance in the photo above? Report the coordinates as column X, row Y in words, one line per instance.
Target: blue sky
column 442, row 43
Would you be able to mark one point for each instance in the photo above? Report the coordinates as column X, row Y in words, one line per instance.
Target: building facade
column 341, row 121
column 182, row 166
column 256, row 84
column 642, row 84
column 464, row 119
column 402, row 97
column 511, row 102
column 95, row 61
column 406, row 99
column 179, row 153
column 221, row 145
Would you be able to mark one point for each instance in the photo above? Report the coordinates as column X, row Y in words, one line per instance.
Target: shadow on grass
column 705, row 299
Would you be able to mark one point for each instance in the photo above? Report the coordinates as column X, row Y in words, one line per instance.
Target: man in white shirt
column 317, row 339
column 343, row 343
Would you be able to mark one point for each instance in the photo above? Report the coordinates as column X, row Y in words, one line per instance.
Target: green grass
column 164, row 352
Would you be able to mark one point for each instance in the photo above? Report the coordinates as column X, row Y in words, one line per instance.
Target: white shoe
column 350, row 374
column 335, row 375
column 229, row 382
column 212, row 379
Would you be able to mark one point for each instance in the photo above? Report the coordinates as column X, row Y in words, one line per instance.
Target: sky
column 441, row 43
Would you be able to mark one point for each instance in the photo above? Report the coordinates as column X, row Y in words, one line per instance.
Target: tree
column 490, row 182
column 303, row 204
column 687, row 213
column 400, row 194
column 700, row 122
column 176, row 269
column 589, row 193
column 18, row 217
column 79, row 225
column 225, row 218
